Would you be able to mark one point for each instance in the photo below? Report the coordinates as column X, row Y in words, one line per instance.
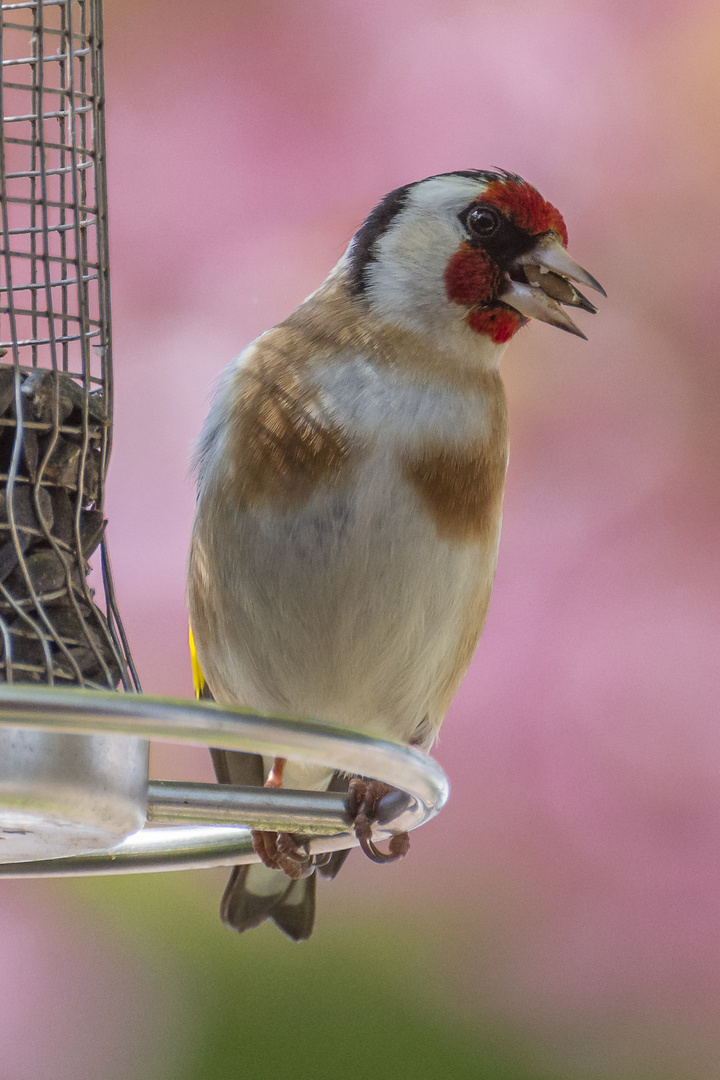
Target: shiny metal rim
column 422, row 787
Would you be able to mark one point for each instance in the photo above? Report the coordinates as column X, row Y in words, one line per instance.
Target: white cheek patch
column 406, row 279
column 408, row 271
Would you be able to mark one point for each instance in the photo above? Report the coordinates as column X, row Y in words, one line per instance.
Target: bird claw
column 362, row 808
column 399, row 847
column 281, row 851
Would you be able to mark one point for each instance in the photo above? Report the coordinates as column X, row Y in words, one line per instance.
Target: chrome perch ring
column 216, row 818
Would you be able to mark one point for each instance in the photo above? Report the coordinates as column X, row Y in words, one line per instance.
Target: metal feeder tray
column 216, row 819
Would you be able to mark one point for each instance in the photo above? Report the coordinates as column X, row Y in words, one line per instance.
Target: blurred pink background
column 577, row 866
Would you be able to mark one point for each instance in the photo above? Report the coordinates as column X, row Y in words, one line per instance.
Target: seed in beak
column 558, row 287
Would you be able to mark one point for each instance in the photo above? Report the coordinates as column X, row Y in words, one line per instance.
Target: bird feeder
column 75, row 797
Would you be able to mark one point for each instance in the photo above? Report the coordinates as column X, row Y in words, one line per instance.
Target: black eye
column 482, row 221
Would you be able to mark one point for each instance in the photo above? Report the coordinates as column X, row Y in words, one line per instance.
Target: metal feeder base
column 64, row 795
column 93, row 763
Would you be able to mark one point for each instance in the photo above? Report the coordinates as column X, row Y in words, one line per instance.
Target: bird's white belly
column 350, row 609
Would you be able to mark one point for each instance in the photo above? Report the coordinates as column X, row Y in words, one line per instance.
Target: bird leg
column 276, row 774
column 362, row 809
column 280, row 851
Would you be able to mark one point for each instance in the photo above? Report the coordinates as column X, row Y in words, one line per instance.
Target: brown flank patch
column 462, row 486
column 283, row 444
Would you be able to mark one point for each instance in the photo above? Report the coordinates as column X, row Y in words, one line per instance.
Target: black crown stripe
column 364, row 251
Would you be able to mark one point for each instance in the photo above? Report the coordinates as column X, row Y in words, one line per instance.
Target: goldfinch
column 350, row 487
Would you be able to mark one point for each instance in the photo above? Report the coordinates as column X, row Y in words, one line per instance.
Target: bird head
column 467, row 251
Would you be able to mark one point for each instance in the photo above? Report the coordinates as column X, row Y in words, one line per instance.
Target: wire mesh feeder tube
column 421, row 783
column 62, row 793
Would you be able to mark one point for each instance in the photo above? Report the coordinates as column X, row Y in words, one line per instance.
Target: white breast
column 349, row 609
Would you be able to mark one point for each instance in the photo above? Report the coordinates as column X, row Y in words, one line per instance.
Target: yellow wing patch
column 198, row 677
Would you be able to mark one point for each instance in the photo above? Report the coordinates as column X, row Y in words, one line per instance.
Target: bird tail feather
column 255, row 893
column 291, row 906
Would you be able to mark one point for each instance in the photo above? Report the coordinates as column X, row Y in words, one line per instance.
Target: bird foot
column 281, row 851
column 362, row 809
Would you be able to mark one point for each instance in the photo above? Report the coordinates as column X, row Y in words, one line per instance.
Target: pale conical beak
column 549, row 273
